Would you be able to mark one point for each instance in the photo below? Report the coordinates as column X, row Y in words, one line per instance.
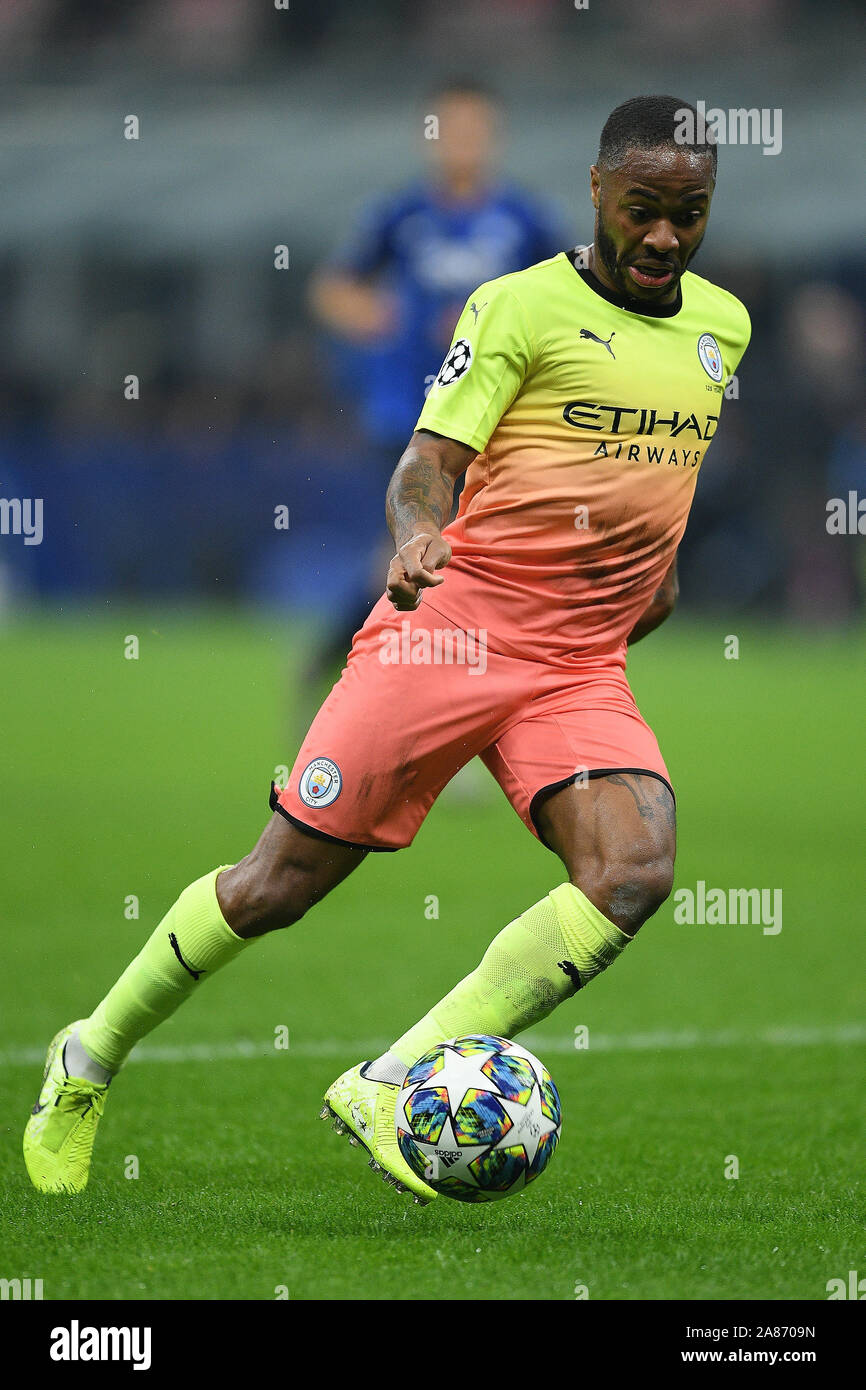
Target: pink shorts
column 420, row 697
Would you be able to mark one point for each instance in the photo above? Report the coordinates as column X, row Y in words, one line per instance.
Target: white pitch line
column 335, row 1049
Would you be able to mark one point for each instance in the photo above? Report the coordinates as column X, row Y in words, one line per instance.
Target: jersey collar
column 632, row 306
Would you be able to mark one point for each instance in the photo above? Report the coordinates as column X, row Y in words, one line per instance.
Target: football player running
column 579, row 396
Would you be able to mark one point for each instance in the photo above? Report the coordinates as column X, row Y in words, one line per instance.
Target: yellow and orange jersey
column 591, row 421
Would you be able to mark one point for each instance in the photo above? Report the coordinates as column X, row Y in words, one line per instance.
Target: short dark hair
column 645, row 123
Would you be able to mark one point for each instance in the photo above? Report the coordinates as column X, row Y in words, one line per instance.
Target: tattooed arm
column 661, row 606
column 418, row 505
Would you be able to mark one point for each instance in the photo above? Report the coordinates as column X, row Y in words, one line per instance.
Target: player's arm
column 481, row 375
column 661, row 606
column 418, row 504
column 351, row 306
column 346, row 294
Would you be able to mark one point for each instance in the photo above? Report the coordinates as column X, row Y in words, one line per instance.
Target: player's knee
column 628, row 891
column 256, row 900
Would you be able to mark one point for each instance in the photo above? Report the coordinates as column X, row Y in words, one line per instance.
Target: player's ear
column 594, row 184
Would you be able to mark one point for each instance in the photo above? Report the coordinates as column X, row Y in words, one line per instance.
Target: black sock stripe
column 174, row 946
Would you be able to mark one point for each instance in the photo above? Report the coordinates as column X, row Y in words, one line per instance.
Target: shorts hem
column 317, row 834
column 545, row 792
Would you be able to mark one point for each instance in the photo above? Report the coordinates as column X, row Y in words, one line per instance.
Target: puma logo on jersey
column 477, row 311
column 605, row 342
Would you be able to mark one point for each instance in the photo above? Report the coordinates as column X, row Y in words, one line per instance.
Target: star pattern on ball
column 463, row 1073
column 487, row 1142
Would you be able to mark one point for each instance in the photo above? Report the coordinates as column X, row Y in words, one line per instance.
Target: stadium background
column 262, row 127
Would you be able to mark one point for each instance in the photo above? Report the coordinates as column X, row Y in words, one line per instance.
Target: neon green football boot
column 58, row 1140
column 365, row 1110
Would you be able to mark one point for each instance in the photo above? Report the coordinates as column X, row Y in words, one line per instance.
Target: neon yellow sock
column 543, row 957
column 192, row 942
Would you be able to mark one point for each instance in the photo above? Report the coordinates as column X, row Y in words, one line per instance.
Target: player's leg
column 615, row 835
column 584, row 772
column 427, row 723
column 618, row 844
column 373, row 762
column 212, row 921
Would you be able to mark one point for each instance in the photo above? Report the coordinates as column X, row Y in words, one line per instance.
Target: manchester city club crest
column 711, row 356
column 321, row 783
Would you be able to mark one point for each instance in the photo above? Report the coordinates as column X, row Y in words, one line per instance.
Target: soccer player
column 392, row 293
column 398, row 284
column 581, row 396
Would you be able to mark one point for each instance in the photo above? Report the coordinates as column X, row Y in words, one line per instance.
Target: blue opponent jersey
column 430, row 254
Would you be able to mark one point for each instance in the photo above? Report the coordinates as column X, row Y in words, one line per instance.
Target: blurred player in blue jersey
column 393, row 292
column 396, row 287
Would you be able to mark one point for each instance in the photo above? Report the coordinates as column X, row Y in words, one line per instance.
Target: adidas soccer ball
column 478, row 1118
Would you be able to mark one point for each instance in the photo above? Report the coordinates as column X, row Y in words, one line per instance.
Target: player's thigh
column 616, row 836
column 418, row 699
column 286, row 873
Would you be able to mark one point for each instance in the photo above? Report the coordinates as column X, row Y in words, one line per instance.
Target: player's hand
column 414, row 568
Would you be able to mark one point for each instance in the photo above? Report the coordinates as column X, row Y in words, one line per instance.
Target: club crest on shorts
column 711, row 356
column 456, row 364
column 321, row 783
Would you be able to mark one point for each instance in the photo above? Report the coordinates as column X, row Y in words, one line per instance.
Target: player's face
column 467, row 138
column 651, row 215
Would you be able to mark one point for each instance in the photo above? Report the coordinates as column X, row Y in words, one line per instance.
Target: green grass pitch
column 127, row 777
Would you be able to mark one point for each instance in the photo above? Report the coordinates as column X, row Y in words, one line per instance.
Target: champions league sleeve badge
column 456, row 364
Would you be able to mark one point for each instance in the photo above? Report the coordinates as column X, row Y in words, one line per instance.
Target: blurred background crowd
column 295, row 384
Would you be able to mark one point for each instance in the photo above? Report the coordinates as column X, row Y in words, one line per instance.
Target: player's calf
column 212, row 921
column 617, row 843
